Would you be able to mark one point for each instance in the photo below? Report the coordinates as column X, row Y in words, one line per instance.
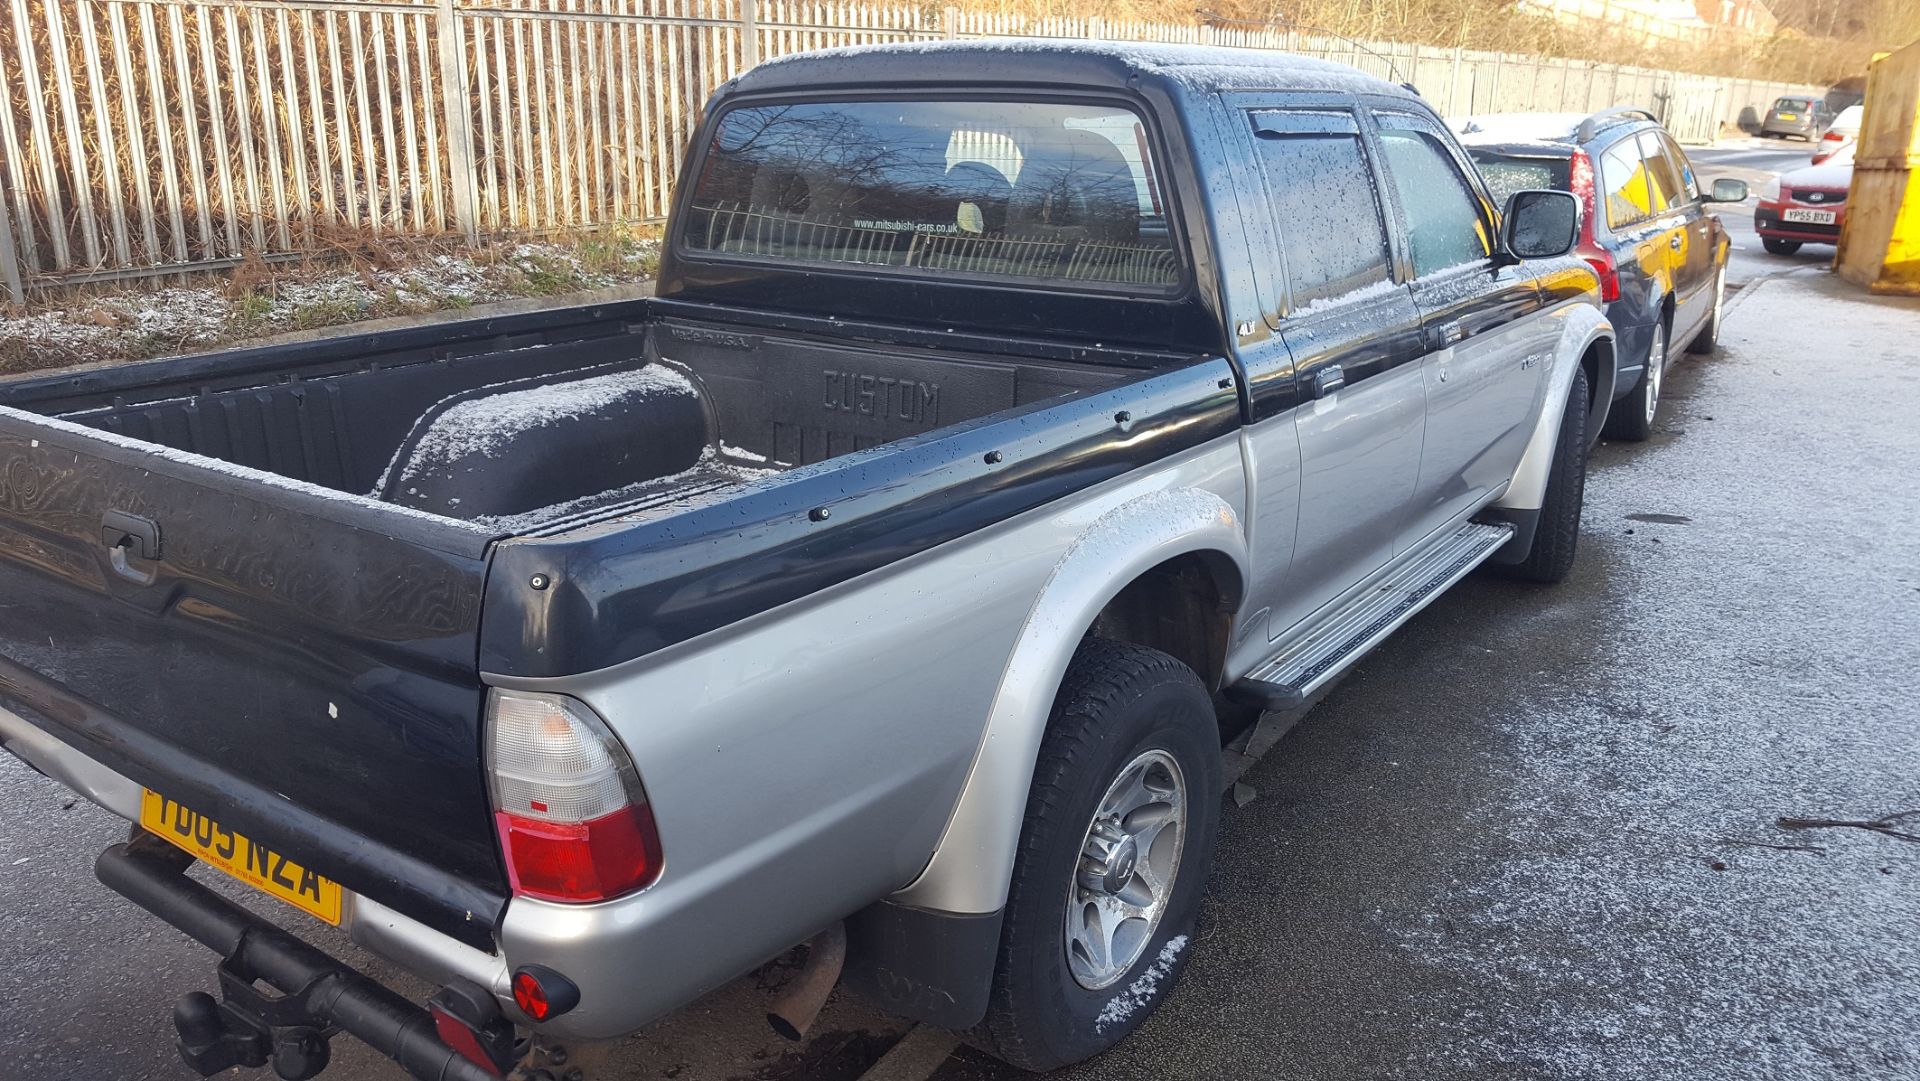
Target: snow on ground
column 1649, row 917
column 156, row 322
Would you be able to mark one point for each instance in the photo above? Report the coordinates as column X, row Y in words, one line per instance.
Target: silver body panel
column 876, row 737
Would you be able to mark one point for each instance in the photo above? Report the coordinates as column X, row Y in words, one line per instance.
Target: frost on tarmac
column 1519, row 842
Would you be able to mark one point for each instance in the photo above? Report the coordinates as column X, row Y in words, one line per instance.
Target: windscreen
column 1791, row 104
column 1506, row 175
column 986, row 189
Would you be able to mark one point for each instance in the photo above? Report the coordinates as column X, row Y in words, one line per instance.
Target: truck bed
column 297, row 653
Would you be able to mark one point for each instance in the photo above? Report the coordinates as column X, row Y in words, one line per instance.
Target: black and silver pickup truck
column 1011, row 419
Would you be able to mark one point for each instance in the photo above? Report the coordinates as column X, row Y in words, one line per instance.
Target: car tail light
column 1582, row 181
column 573, row 820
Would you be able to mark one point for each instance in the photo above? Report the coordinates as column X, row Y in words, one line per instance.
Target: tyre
column 1112, row 860
column 1777, row 246
column 1557, row 534
column 1709, row 337
column 1631, row 418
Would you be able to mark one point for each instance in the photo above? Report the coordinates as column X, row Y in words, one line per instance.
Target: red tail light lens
column 1582, row 182
column 573, row 820
column 580, row 861
column 1602, row 263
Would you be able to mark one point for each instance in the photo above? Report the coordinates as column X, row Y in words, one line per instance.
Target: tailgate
column 298, row 664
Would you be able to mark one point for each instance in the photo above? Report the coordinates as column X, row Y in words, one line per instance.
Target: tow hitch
column 313, row 996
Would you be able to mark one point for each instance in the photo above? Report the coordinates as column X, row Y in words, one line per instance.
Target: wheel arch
column 1601, row 360
column 1186, row 543
column 1584, row 333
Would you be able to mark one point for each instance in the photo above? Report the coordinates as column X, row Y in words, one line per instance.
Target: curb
column 1735, row 302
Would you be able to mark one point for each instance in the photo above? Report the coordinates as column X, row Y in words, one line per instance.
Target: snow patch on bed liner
column 486, row 423
column 715, row 474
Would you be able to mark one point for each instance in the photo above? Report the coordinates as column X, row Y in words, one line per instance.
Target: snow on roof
column 1193, row 65
column 1525, row 128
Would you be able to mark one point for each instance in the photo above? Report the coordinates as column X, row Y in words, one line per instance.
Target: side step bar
column 1342, row 636
column 317, row 993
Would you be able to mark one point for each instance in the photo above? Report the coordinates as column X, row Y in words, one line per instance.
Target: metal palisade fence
column 142, row 137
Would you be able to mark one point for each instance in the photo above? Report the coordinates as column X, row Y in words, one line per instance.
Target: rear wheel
column 1631, row 418
column 1709, row 337
column 1112, row 860
column 1778, row 246
column 1557, row 535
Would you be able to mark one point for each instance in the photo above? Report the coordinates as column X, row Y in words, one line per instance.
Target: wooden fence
column 142, row 137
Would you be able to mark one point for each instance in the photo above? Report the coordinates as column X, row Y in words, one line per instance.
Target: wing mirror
column 1728, row 190
column 1540, row 224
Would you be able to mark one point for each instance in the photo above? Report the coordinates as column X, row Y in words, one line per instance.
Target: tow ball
column 246, row 1028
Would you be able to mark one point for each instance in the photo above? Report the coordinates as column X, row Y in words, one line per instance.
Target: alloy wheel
column 1124, row 878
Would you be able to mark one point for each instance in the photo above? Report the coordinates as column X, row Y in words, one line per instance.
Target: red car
column 1806, row 206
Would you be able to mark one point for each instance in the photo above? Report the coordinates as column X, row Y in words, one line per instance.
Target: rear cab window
column 1792, row 105
column 1027, row 191
column 1508, row 173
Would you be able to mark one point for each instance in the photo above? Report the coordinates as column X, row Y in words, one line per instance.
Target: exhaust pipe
column 794, row 1011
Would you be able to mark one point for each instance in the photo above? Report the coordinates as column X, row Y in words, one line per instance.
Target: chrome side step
column 1346, row 633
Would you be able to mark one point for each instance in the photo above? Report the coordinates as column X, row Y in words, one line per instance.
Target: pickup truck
column 1011, row 422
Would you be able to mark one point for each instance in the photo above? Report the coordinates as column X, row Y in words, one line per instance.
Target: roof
column 1543, row 133
column 1057, row 62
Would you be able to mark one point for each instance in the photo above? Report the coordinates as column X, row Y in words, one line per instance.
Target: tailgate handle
column 129, row 534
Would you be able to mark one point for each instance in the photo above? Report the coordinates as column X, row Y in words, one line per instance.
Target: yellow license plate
column 1789, row 116
column 249, row 861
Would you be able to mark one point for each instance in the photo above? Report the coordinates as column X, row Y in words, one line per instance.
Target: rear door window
column 1506, row 175
column 1623, row 180
column 1438, row 207
column 1667, row 189
column 1321, row 196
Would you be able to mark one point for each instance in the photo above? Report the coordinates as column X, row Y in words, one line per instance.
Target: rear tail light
column 573, row 820
column 1581, row 179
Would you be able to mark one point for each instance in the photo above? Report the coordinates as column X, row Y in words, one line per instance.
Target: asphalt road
column 1754, row 161
column 1525, row 839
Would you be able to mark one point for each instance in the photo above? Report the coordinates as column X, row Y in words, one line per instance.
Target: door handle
column 1674, row 242
column 1328, row 379
column 124, row 535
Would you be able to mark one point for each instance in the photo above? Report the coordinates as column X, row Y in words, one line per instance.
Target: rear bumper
column 421, row 950
column 315, row 993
